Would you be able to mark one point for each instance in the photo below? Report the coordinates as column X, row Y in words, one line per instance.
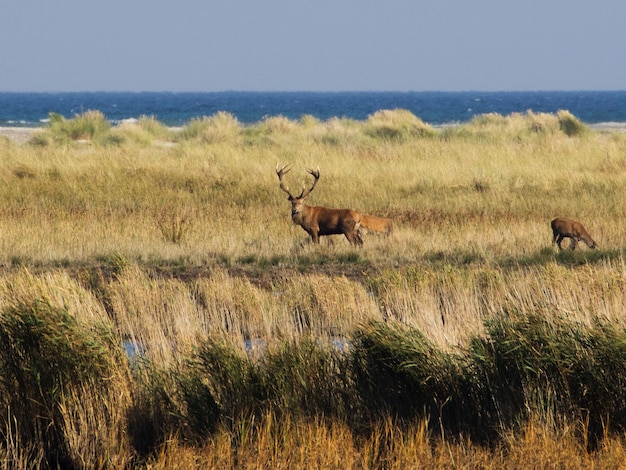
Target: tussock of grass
column 214, row 129
column 397, row 124
column 570, row 125
column 47, row 355
column 88, row 126
column 144, row 131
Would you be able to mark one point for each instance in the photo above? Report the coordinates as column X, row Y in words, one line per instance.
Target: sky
column 312, row 45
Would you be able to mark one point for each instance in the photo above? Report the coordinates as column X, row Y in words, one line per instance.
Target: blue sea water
column 436, row 108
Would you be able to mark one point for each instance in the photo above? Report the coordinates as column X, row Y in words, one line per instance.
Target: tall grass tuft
column 308, row 378
column 45, row 355
column 90, row 126
column 399, row 373
column 398, row 124
column 232, row 378
column 145, row 131
column 570, row 125
column 221, row 127
column 175, row 225
column 170, row 401
column 547, row 366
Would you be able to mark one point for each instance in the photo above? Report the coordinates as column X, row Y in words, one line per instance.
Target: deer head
column 297, row 202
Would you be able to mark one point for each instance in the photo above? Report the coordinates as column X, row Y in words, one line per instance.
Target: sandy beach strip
column 22, row 135
column 609, row 126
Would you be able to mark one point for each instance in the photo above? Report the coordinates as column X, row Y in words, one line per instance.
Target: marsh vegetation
column 159, row 309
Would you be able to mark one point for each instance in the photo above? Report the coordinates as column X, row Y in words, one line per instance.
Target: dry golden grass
column 304, row 445
column 196, row 200
column 173, row 236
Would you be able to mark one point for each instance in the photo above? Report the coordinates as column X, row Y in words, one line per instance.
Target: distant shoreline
column 609, row 126
column 22, row 135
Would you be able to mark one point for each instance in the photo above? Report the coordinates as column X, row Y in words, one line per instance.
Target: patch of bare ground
column 264, row 277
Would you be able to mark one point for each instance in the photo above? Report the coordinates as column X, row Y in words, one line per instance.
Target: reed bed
column 160, row 310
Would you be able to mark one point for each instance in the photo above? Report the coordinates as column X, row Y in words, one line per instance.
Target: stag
column 566, row 228
column 318, row 221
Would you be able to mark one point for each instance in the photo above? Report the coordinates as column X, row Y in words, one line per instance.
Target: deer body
column 567, row 228
column 318, row 221
column 376, row 224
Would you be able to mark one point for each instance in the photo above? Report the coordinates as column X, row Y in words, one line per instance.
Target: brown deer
column 566, row 228
column 376, row 224
column 318, row 221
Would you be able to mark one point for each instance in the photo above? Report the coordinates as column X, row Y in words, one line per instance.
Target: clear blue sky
column 312, row 45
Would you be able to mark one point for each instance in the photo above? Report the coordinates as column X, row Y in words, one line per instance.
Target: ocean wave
column 435, row 108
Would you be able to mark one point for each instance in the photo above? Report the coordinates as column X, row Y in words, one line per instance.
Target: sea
column 436, row 108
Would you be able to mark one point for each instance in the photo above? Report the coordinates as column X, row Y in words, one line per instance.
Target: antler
column 316, row 175
column 280, row 172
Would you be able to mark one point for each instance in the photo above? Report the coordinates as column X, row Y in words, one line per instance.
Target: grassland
column 465, row 339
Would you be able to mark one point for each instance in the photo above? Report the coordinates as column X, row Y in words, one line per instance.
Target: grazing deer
column 376, row 224
column 318, row 221
column 566, row 228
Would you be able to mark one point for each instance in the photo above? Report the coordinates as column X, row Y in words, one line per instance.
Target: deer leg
column 354, row 237
column 357, row 236
column 573, row 244
column 358, row 240
column 559, row 239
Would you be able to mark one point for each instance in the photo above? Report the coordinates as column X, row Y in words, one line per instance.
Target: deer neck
column 300, row 216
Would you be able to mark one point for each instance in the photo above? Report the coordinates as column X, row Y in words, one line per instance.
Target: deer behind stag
column 377, row 224
column 316, row 220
